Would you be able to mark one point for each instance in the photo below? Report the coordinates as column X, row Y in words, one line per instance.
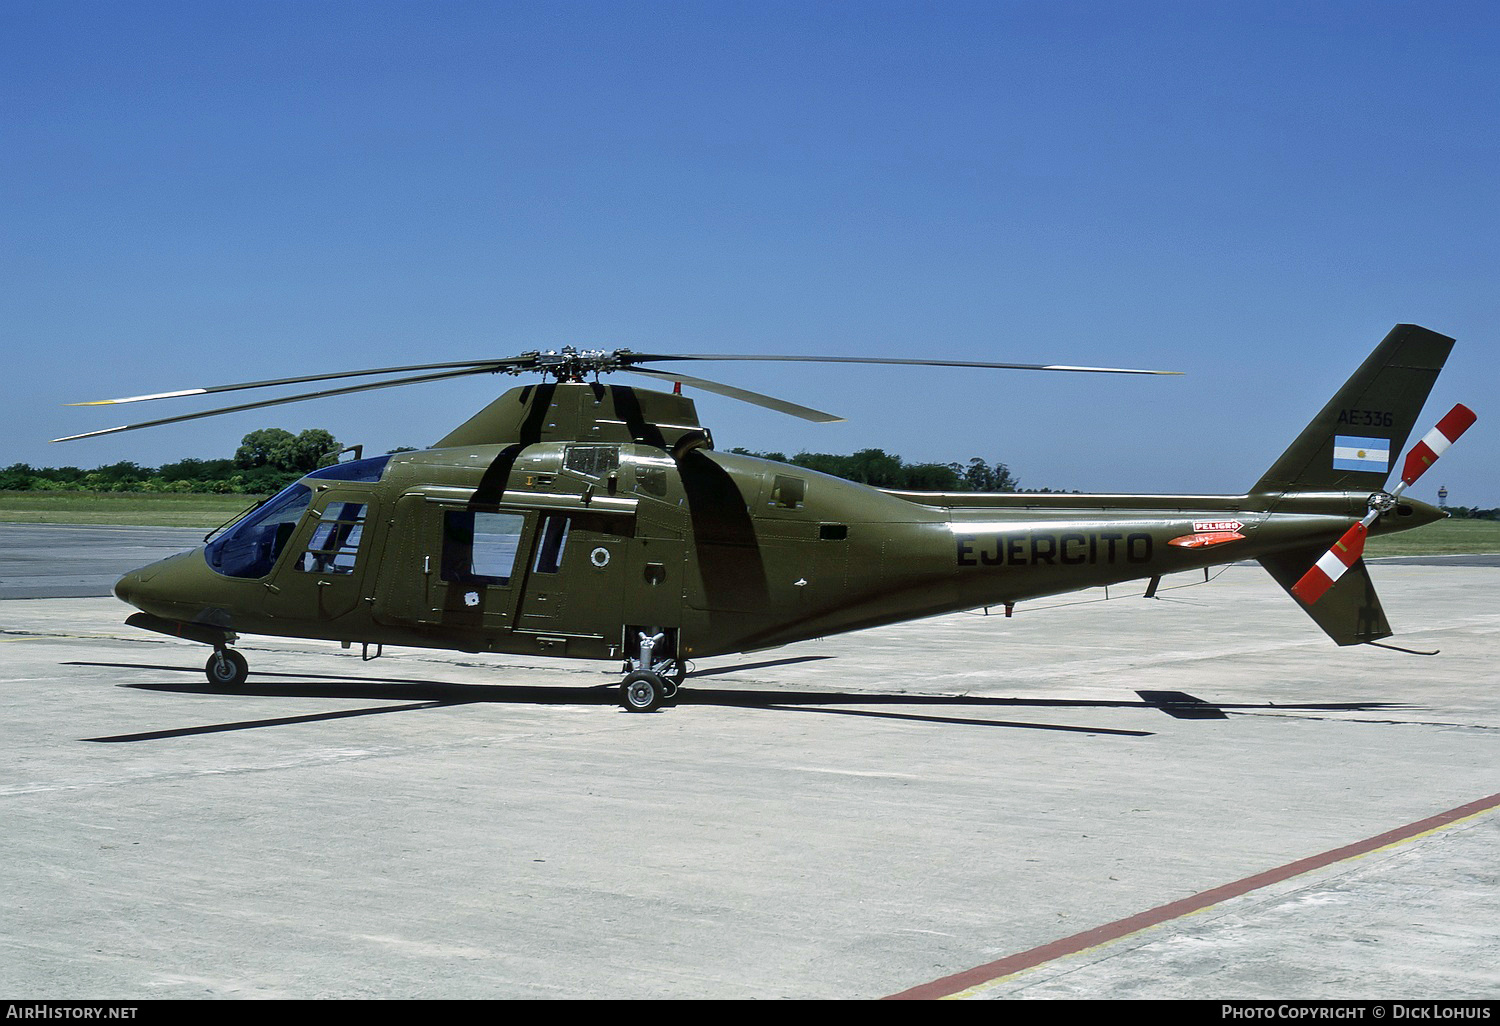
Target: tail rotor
column 1351, row 546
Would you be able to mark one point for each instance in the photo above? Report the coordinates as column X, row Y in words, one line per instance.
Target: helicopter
column 589, row 520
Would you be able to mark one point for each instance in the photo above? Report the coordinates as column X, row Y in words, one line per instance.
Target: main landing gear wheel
column 643, row 691
column 226, row 668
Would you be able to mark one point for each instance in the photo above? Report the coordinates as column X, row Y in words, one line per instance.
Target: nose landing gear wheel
column 642, row 691
column 226, row 668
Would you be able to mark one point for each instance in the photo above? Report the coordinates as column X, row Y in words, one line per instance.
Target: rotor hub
column 570, row 363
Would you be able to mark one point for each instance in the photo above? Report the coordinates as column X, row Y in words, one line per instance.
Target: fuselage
column 575, row 548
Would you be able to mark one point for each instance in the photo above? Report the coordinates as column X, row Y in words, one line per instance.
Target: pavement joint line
column 973, row 982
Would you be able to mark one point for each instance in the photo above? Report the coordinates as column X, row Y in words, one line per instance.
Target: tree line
column 269, row 459
column 880, row 469
column 1472, row 513
column 266, row 461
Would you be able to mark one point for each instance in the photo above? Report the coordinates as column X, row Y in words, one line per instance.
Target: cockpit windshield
column 250, row 548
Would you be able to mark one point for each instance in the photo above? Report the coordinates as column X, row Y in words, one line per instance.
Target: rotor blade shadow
column 333, row 685
column 433, row 695
column 431, row 692
column 218, row 728
column 714, row 671
column 963, row 721
column 1171, row 702
column 806, row 701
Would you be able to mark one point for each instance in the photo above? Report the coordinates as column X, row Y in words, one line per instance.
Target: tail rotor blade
column 1426, row 452
column 1348, row 549
column 1326, row 571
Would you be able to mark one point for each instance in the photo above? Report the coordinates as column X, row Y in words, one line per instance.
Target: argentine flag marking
column 1353, row 453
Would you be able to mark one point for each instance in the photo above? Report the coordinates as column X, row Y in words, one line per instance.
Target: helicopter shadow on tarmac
column 431, row 694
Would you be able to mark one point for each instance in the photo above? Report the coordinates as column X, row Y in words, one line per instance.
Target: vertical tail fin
column 1351, row 443
column 1350, row 446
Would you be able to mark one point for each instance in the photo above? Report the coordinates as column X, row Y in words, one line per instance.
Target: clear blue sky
column 1250, row 192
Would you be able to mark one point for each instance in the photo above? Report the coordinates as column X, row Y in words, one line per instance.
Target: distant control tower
column 1442, row 496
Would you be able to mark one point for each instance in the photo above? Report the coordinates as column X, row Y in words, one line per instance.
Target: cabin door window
column 481, row 548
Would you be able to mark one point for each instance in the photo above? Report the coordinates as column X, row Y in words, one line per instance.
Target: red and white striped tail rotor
column 1425, row 453
column 1349, row 548
column 1327, row 570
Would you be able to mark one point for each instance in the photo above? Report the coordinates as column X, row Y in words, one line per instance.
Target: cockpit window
column 592, row 460
column 249, row 548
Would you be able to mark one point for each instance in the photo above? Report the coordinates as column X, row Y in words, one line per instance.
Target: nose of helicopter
column 127, row 588
column 166, row 587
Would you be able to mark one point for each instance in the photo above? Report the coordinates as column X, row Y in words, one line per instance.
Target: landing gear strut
column 650, row 682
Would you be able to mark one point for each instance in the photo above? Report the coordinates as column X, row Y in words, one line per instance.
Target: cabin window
column 480, row 548
column 549, row 552
column 833, row 532
column 651, row 481
column 592, row 460
column 335, row 541
column 787, row 492
column 652, row 475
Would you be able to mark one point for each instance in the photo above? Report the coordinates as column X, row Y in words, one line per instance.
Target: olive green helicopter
column 587, row 520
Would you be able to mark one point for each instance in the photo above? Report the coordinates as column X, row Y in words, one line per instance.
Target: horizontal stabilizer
column 1349, row 611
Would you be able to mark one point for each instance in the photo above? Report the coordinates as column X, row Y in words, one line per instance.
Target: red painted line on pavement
column 948, row 986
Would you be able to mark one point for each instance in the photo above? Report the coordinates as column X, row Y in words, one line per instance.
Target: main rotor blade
column 634, row 357
column 326, row 393
column 744, row 395
column 478, row 366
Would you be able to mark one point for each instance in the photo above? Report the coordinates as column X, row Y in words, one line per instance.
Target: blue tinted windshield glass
column 250, row 548
column 358, row 470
